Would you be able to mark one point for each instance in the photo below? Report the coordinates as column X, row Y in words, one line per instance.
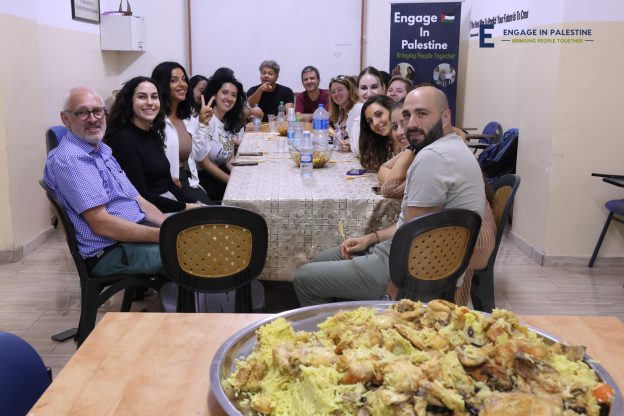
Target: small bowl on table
column 319, row 157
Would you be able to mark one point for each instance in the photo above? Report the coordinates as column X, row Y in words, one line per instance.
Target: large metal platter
column 241, row 344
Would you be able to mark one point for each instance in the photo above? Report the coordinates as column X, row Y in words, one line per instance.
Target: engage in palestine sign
column 424, row 44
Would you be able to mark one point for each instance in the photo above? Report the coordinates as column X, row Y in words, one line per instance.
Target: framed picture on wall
column 86, row 10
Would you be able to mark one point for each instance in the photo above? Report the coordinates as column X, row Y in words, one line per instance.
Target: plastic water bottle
column 257, row 121
column 291, row 126
column 298, row 133
column 307, row 153
column 281, row 112
column 320, row 124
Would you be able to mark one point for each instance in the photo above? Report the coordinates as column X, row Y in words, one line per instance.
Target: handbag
column 128, row 11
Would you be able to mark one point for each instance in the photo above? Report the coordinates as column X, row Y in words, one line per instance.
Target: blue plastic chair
column 54, row 136
column 23, row 375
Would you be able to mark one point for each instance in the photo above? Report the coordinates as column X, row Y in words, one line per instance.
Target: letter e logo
column 483, row 36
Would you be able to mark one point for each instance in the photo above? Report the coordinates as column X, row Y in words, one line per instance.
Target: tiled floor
column 40, row 295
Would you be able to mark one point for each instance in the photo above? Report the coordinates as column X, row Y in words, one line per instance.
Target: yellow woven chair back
column 214, row 250
column 438, row 253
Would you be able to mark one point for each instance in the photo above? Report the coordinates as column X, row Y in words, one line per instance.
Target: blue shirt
column 85, row 177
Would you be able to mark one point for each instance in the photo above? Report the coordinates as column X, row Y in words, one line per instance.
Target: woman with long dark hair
column 376, row 144
column 183, row 133
column 135, row 132
column 225, row 129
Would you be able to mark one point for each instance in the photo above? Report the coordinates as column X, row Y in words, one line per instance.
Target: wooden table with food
column 302, row 214
column 157, row 363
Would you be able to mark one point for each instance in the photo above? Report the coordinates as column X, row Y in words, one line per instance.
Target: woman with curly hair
column 225, row 130
column 342, row 112
column 136, row 134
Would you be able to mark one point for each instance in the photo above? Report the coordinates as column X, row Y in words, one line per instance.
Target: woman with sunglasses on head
column 225, row 130
column 184, row 142
column 342, row 111
column 136, row 134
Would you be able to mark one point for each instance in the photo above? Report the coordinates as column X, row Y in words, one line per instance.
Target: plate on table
column 241, row 344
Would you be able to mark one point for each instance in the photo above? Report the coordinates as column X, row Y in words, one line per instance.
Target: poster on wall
column 424, row 44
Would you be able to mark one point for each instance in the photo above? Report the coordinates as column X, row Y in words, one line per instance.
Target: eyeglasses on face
column 84, row 114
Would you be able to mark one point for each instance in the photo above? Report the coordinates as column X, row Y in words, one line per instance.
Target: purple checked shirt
column 84, row 177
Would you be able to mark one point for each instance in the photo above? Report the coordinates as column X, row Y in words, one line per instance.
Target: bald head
column 435, row 96
column 426, row 115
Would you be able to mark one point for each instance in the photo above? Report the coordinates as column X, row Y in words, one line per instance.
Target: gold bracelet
column 377, row 235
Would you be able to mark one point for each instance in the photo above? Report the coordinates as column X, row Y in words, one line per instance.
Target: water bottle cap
column 321, row 106
column 306, row 133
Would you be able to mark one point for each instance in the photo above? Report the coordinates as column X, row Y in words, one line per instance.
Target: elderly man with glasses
column 109, row 215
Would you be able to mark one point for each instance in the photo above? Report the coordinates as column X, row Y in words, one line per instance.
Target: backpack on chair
column 499, row 159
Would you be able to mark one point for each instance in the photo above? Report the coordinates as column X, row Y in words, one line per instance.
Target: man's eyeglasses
column 98, row 113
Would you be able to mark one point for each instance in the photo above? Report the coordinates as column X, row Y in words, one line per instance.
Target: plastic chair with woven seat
column 430, row 253
column 615, row 207
column 94, row 291
column 213, row 250
column 482, row 287
column 23, row 375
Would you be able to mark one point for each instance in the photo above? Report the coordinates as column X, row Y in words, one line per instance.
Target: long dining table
column 302, row 214
column 158, row 363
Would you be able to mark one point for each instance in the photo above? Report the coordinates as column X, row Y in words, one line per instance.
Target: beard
column 434, row 134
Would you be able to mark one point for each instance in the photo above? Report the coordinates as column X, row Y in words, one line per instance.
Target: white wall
column 61, row 53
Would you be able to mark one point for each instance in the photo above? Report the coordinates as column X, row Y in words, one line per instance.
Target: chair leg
column 126, row 304
column 243, row 300
column 482, row 291
column 599, row 243
column 186, row 300
column 89, row 309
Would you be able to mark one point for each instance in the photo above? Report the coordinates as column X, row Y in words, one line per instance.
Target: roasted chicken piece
column 521, row 404
column 471, row 356
column 440, row 311
column 249, row 375
column 262, row 403
column 425, row 339
column 402, row 375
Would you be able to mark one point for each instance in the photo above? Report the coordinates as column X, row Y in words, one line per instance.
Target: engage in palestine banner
column 424, row 44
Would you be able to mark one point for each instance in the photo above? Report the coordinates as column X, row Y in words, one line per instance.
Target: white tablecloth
column 303, row 213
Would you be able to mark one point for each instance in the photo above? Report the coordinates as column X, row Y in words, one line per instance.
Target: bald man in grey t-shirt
column 441, row 173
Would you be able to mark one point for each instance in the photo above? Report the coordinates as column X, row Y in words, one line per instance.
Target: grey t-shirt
column 444, row 173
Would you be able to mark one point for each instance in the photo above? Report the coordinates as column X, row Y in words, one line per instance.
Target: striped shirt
column 85, row 177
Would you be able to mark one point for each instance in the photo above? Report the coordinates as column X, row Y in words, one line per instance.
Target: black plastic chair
column 430, row 253
column 482, row 287
column 23, row 375
column 215, row 249
column 94, row 290
column 53, row 138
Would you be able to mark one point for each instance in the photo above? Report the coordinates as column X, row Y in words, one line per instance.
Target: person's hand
column 177, row 182
column 353, row 245
column 205, row 112
column 191, row 205
column 267, row 87
column 345, row 145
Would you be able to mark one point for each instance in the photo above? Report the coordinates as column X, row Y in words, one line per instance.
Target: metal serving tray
column 241, row 344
